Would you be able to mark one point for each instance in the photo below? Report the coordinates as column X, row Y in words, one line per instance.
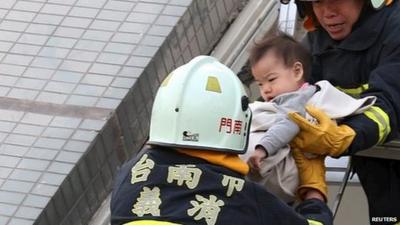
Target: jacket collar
column 362, row 37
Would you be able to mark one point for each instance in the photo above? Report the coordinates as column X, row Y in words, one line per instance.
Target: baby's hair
column 285, row 47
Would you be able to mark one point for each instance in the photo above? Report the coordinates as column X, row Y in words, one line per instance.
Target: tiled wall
column 77, row 81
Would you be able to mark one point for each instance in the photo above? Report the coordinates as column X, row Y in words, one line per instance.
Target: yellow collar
column 230, row 161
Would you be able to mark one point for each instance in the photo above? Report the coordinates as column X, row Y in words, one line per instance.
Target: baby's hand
column 255, row 159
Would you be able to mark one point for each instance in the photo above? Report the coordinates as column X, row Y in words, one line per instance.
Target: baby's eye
column 271, row 79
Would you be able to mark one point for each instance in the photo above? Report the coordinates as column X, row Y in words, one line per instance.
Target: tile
column 54, row 52
column 33, row 164
column 20, row 16
column 76, row 146
column 83, row 12
column 148, row 8
column 97, row 79
column 28, row 129
column 112, row 58
column 67, row 76
column 60, row 87
column 13, row 25
column 145, row 51
column 7, row 209
column 30, row 83
column 27, row 212
column 9, row 36
column 142, row 17
column 119, row 5
column 151, row 40
column 127, row 38
column 174, row 10
column 97, row 35
column 11, row 197
column 138, row 61
column 51, row 143
column 108, row 103
column 38, row 119
column 101, row 68
column 119, row 48
column 81, row 100
column 105, row 25
column 44, row 190
column 22, row 94
column 25, row 175
column 167, row 20
column 81, row 55
column 77, row 22
column 45, row 29
column 61, row 42
column 52, row 178
column 7, row 4
column 91, row 90
column 68, row 122
column 5, row 46
column 48, row 19
column 7, row 80
column 91, row 4
column 129, row 71
column 28, row 6
column 2, row 136
column 49, row 63
column 54, row 132
column 4, row 172
column 68, row 157
column 12, row 70
column 36, row 201
column 6, row 126
column 41, row 153
column 11, row 115
column 20, row 139
column 69, row 32
column 17, row 186
column 83, row 135
column 92, row 124
column 90, row 45
column 33, row 39
column 17, row 221
column 51, row 97
column 76, row 66
column 38, row 73
column 134, row 27
column 55, row 9
column 23, row 60
column 112, row 15
column 60, row 167
column 4, row 219
column 118, row 93
column 13, row 150
column 122, row 82
column 160, row 30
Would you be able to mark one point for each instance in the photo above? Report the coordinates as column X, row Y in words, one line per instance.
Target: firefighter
column 355, row 44
column 190, row 172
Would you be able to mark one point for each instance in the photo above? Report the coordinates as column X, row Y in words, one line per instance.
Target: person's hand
column 255, row 159
column 323, row 138
column 311, row 174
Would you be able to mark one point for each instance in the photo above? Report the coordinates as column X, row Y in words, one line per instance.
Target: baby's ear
column 298, row 70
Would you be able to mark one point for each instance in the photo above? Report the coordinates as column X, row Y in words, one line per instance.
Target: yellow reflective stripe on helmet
column 355, row 92
column 213, row 84
column 313, row 222
column 150, row 222
column 382, row 119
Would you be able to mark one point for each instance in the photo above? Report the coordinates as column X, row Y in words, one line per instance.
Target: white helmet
column 201, row 105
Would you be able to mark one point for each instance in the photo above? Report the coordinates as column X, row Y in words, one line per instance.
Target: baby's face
column 274, row 78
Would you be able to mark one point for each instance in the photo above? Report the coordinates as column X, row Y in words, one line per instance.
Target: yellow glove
column 311, row 173
column 323, row 138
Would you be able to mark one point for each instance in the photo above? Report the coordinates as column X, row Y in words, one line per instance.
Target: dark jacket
column 366, row 63
column 248, row 203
